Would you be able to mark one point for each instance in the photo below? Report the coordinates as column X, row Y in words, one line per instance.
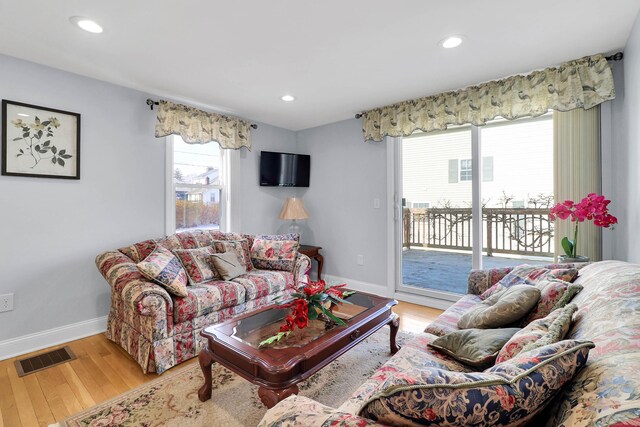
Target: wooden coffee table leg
column 394, row 324
column 271, row 397
column 205, row 360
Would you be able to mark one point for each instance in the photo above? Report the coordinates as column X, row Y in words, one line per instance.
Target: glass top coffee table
column 278, row 368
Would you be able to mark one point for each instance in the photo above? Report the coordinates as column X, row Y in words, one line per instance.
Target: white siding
column 522, row 154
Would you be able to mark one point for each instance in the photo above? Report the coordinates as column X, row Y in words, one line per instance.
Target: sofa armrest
column 301, row 270
column 481, row 280
column 128, row 285
column 302, row 411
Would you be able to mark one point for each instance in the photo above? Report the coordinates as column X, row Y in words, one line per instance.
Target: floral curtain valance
column 582, row 83
column 200, row 127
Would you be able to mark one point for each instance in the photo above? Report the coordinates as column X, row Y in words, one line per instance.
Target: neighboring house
column 200, row 194
column 517, row 162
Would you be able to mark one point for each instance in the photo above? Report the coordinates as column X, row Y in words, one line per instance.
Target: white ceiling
column 337, row 57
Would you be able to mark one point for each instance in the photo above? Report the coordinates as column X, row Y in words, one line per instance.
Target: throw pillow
column 538, row 333
column 228, row 265
column 164, row 268
column 511, row 393
column 554, row 294
column 532, row 274
column 197, row 264
column 474, row 347
column 239, row 247
column 139, row 251
column 274, row 254
column 501, row 309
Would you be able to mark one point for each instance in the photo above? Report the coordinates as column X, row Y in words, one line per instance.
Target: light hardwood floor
column 101, row 371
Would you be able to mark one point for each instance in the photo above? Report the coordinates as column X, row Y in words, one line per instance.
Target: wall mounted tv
column 284, row 169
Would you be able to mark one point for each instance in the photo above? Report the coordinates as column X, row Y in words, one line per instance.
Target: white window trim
column 170, row 192
column 229, row 180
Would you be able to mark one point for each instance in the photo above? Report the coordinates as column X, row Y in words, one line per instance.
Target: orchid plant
column 591, row 208
column 310, row 304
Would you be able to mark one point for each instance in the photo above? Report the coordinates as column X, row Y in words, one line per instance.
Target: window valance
column 200, row 127
column 582, row 83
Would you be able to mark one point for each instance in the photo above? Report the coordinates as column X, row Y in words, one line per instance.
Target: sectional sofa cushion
column 508, row 394
column 165, row 269
column 448, row 321
column 474, row 347
column 530, row 274
column 197, row 264
column 205, row 298
column 554, row 294
column 503, row 308
column 228, row 265
column 239, row 247
column 260, row 283
column 274, row 254
column 538, row 333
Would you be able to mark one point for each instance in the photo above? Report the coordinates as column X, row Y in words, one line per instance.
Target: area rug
column 172, row 399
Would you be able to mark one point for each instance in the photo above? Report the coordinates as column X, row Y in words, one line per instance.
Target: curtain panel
column 200, row 127
column 582, row 83
column 577, row 172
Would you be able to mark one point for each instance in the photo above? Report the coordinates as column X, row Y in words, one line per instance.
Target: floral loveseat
column 160, row 330
column 606, row 392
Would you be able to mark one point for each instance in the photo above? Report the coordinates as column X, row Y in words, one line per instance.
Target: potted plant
column 591, row 208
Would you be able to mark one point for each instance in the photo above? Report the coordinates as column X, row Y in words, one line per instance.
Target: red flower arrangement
column 592, row 208
column 309, row 304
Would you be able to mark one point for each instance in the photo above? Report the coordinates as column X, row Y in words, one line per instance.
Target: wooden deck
column 448, row 271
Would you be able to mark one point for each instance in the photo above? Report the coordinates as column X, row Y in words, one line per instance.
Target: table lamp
column 293, row 210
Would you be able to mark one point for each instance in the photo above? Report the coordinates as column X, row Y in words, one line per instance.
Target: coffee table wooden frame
column 278, row 371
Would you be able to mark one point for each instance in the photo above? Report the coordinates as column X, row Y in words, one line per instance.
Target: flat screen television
column 284, row 169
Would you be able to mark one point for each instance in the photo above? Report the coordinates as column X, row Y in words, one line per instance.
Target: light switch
column 376, row 203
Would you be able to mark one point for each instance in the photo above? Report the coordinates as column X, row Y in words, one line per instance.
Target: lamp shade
column 293, row 209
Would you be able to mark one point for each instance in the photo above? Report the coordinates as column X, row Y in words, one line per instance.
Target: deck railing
column 507, row 231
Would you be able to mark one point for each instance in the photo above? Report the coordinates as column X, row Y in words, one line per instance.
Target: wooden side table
column 313, row 252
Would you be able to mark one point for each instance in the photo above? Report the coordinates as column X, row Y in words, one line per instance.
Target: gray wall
column 346, row 175
column 260, row 206
column 625, row 152
column 52, row 229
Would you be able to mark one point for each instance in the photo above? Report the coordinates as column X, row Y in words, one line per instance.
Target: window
column 465, row 170
column 194, row 199
column 421, row 205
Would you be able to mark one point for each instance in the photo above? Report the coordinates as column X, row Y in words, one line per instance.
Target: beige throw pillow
column 228, row 265
column 502, row 308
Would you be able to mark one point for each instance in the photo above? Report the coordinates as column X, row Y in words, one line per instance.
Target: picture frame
column 39, row 141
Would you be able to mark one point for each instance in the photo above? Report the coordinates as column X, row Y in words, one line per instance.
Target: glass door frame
column 395, row 154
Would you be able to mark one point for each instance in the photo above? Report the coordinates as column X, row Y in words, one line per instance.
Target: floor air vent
column 43, row 361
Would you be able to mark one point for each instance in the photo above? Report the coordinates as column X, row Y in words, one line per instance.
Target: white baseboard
column 357, row 285
column 26, row 344
column 423, row 300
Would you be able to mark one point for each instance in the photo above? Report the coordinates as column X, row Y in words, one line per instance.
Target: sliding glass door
column 473, row 197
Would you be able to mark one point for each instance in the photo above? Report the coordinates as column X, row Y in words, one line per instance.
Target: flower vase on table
column 313, row 302
column 591, row 208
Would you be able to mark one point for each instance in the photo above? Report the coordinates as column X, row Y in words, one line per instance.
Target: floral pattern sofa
column 160, row 330
column 606, row 392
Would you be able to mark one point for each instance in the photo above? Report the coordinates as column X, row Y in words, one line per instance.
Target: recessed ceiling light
column 288, row 98
column 23, row 115
column 86, row 24
column 451, row 42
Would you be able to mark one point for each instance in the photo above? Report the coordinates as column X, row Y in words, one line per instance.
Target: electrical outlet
column 360, row 259
column 6, row 302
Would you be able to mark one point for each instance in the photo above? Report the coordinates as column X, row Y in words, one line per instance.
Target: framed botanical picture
column 39, row 141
